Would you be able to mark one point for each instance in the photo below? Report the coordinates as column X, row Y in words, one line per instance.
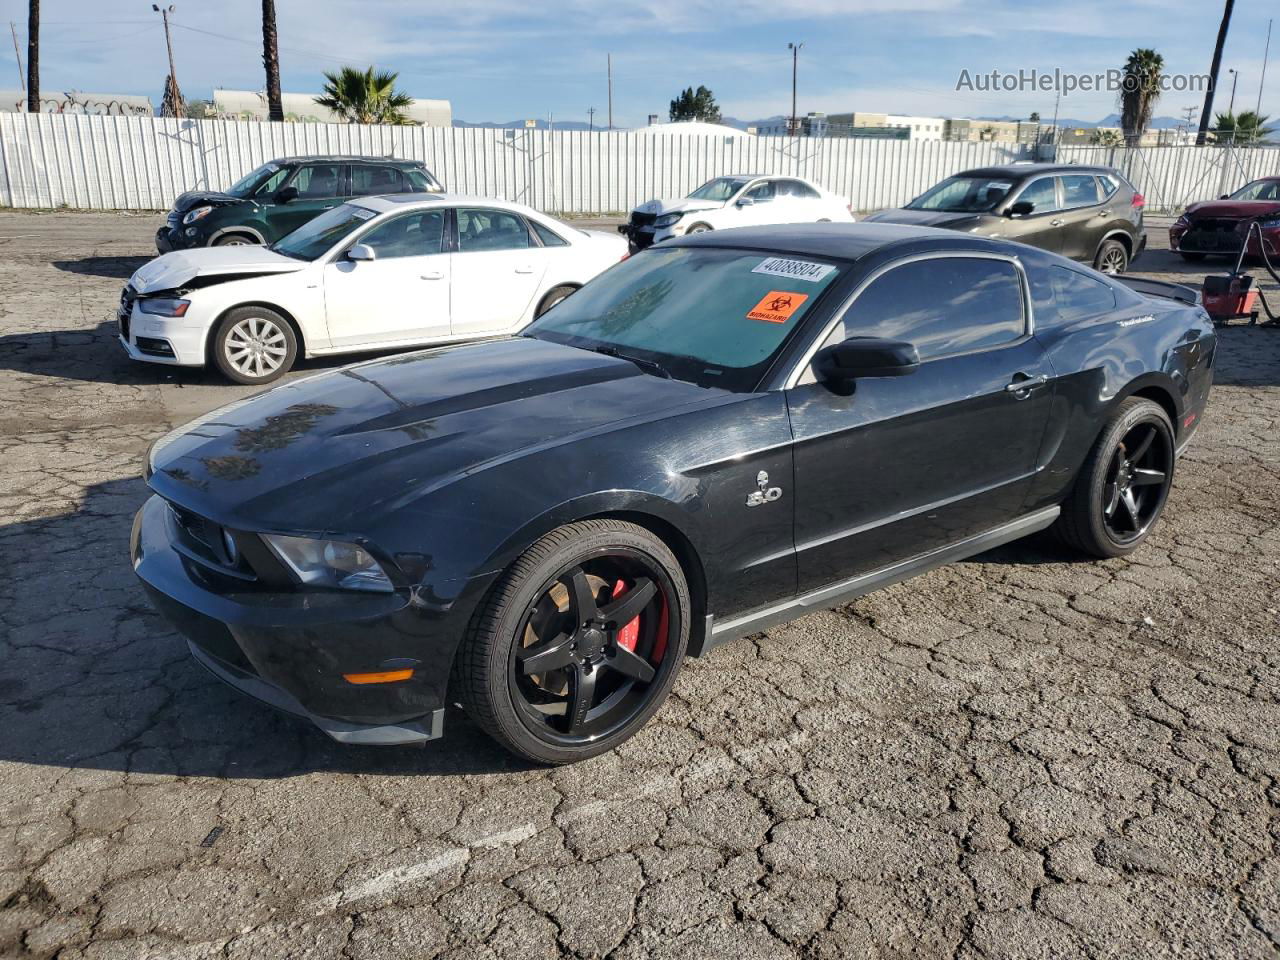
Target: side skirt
column 842, row 592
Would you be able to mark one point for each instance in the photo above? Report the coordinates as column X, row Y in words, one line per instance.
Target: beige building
column 920, row 128
column 992, row 131
column 302, row 108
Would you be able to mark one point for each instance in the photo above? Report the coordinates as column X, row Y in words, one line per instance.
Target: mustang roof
column 844, row 240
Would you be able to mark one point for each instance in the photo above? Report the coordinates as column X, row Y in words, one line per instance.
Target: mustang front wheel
column 579, row 643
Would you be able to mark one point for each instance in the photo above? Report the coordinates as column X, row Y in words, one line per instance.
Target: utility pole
column 33, row 56
column 1257, row 111
column 591, row 119
column 22, row 80
column 1235, row 75
column 609, row 62
column 1207, row 113
column 795, row 56
column 174, row 97
column 271, row 61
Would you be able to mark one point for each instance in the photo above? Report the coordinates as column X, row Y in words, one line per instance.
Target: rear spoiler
column 1162, row 288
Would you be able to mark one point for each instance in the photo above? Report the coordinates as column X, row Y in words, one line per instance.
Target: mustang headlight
column 164, row 306
column 196, row 213
column 329, row 563
column 667, row 219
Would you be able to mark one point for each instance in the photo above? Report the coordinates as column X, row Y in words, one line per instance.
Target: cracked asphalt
column 1023, row 755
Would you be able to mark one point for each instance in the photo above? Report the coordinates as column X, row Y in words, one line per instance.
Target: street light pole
column 1263, row 79
column 1235, row 75
column 793, row 127
column 174, row 96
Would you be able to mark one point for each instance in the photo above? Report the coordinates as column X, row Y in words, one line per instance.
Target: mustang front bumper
column 292, row 649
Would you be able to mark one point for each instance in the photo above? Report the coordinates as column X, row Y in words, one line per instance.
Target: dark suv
column 281, row 196
column 1091, row 214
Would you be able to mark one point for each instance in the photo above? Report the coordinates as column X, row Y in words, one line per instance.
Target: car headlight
column 163, row 306
column 329, row 563
column 667, row 219
column 196, row 213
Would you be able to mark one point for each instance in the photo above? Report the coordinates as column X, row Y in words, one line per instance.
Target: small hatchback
column 280, row 196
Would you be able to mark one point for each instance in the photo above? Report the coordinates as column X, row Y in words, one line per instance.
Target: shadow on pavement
column 121, row 268
column 95, row 679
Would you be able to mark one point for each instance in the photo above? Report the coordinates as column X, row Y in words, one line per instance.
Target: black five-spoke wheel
column 1124, row 483
column 579, row 644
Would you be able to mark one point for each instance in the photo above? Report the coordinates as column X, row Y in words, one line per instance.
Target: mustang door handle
column 1027, row 383
column 433, row 275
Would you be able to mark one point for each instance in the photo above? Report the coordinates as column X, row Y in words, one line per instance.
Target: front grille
column 642, row 219
column 1216, row 225
column 201, row 539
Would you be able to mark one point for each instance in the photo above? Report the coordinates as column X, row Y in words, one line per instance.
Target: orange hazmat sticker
column 777, row 306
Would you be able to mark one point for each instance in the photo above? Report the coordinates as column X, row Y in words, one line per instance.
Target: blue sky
column 510, row 59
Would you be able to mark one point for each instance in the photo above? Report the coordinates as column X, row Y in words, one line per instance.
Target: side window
column 272, row 183
column 480, row 230
column 409, row 235
column 1079, row 190
column 1042, row 194
column 418, row 181
column 1077, row 296
column 943, row 305
column 548, row 237
column 1109, row 187
column 761, row 192
column 369, row 181
column 318, row 181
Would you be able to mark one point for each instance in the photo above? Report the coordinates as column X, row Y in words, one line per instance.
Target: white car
column 739, row 201
column 372, row 274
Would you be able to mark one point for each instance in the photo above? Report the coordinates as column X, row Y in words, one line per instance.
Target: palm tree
column 1207, row 112
column 1139, row 92
column 33, row 57
column 362, row 96
column 271, row 60
column 1245, row 127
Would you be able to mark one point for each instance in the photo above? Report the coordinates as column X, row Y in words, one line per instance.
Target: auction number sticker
column 777, row 306
column 793, row 269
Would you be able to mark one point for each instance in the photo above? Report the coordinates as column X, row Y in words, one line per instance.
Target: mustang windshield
column 963, row 195
column 720, row 189
column 712, row 316
column 316, row 236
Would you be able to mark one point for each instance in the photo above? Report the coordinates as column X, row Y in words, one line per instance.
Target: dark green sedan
column 282, row 195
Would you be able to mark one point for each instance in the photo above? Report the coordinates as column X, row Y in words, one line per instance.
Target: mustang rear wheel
column 1124, row 483
column 578, row 644
column 254, row 345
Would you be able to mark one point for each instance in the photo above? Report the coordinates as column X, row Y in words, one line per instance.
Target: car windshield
column 963, row 195
column 720, row 189
column 708, row 315
column 1259, row 190
column 250, row 181
column 316, row 236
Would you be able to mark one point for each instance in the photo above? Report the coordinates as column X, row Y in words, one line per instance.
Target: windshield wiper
column 611, row 351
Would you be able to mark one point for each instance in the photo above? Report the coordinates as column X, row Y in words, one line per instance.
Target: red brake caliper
column 629, row 634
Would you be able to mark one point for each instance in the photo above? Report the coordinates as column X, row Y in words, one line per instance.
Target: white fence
column 112, row 163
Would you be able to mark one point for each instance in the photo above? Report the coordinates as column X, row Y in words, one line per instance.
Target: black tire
column 1191, row 257
column 699, row 228
column 554, row 296
column 235, row 240
column 237, row 329
column 1095, row 508
column 1112, row 257
column 488, row 678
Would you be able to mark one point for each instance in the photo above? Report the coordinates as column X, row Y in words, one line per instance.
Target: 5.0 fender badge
column 766, row 493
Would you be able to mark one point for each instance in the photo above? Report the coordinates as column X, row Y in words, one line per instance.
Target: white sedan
column 739, row 201
column 376, row 273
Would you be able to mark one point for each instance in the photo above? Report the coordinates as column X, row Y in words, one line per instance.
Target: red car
column 1220, row 226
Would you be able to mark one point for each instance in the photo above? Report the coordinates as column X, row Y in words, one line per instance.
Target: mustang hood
column 1233, row 209
column 677, row 205
column 922, row 218
column 325, row 453
column 172, row 270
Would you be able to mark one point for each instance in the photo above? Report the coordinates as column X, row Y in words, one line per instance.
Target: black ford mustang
column 719, row 434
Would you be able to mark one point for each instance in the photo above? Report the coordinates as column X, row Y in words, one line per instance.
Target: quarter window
column 1109, row 186
column 410, row 235
column 943, row 305
column 1041, row 194
column 369, row 181
column 481, row 230
column 548, row 237
column 1079, row 190
column 1077, row 296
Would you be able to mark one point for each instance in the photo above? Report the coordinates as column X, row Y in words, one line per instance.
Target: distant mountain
column 1112, row 120
column 538, row 125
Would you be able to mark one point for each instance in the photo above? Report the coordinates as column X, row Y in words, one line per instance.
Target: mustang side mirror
column 1020, row 209
column 362, row 251
column 286, row 195
column 860, row 357
column 745, row 201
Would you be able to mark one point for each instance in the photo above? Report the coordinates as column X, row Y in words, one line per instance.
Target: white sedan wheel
column 256, row 347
